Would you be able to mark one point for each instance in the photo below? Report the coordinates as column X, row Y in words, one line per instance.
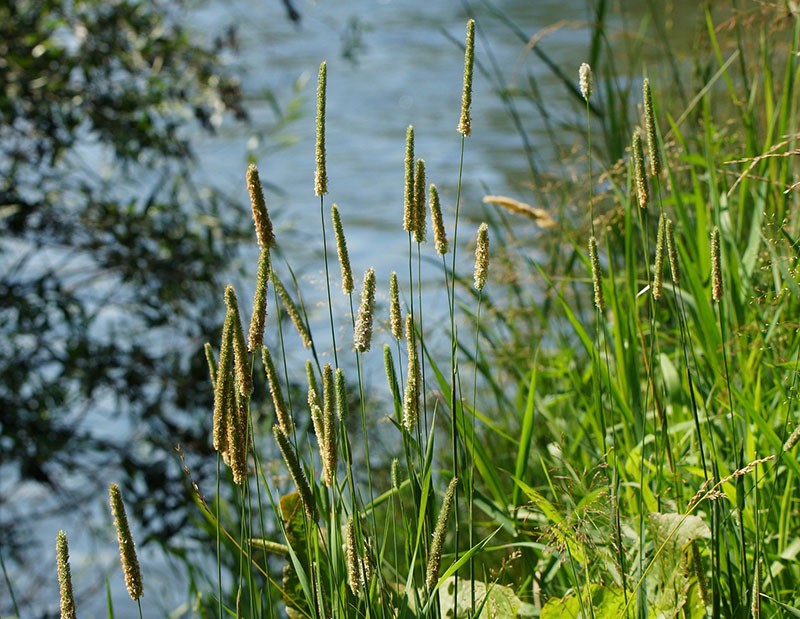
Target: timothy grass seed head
column 716, row 266
column 419, row 202
column 439, row 234
column 261, row 220
column 321, row 172
column 64, row 577
column 341, row 250
column 408, row 193
column 439, row 534
column 597, row 275
column 639, row 172
column 127, row 549
column 481, row 257
column 650, row 127
column 585, row 80
column 465, row 120
column 363, row 328
column 395, row 317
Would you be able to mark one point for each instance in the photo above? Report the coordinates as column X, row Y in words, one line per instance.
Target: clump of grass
column 637, row 485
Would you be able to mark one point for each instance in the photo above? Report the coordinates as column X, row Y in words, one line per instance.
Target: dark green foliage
column 105, row 244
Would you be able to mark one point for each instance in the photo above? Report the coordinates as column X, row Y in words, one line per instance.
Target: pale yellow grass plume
column 540, row 216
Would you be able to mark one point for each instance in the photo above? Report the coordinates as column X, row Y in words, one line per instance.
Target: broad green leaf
column 599, row 602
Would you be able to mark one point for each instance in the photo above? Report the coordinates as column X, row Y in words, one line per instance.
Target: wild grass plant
column 630, row 450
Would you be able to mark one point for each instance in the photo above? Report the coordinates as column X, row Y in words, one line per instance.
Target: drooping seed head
column 439, row 234
column 481, row 257
column 652, row 132
column 321, row 173
column 408, row 194
column 585, row 80
column 282, row 415
column 255, row 336
column 672, row 254
column 341, row 250
column 391, row 377
column 64, row 577
column 292, row 311
column 658, row 268
column 395, row 318
column 716, row 266
column 313, row 388
column 127, row 548
column 261, row 220
column 793, row 439
column 363, row 328
column 439, row 534
column 597, row 275
column 244, row 378
column 296, row 472
column 639, row 172
column 465, row 120
column 419, row 202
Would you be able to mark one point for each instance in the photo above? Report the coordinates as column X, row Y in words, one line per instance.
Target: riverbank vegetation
column 610, row 428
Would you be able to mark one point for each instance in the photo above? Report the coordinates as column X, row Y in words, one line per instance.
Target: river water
column 391, row 63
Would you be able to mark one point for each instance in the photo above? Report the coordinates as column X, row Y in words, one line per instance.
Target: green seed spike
column 672, row 254
column 257, row 321
column 327, row 442
column 291, row 310
column 223, row 387
column 313, row 388
column 341, row 250
column 413, row 380
column 395, row 317
column 263, row 224
column 658, row 269
column 321, row 173
column 341, row 395
column 64, row 577
column 127, row 549
column 597, row 275
column 408, row 194
column 212, row 364
column 650, row 127
column 296, row 472
column 716, row 266
column 282, row 415
column 240, row 357
column 465, row 122
column 639, row 173
column 391, row 377
column 363, row 327
column 419, row 202
column 793, row 439
column 439, row 533
column 481, row 257
column 439, row 234
column 238, row 438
